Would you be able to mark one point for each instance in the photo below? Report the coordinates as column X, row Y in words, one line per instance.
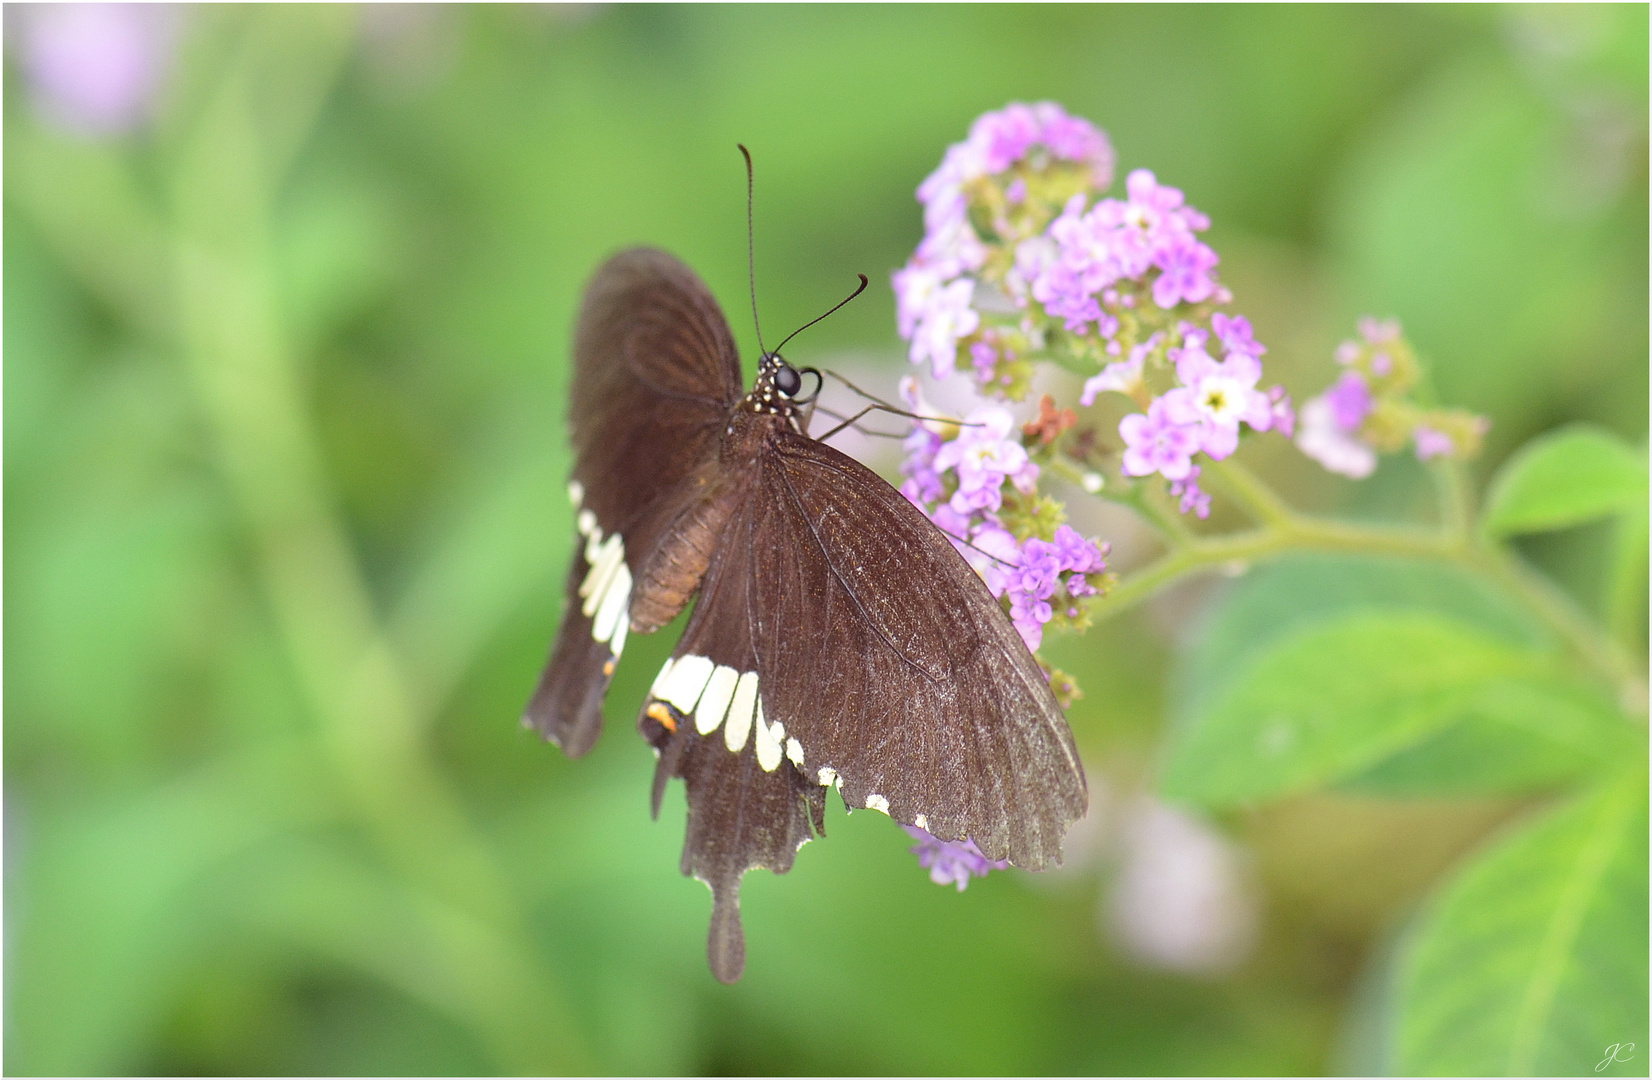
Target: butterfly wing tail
column 740, row 817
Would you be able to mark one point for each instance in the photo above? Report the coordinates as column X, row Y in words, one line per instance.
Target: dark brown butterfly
column 838, row 640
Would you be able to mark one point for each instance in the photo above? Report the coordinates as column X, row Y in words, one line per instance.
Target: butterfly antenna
column 751, row 248
column 858, row 290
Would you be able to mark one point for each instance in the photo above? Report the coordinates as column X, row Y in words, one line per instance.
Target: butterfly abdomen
column 670, row 574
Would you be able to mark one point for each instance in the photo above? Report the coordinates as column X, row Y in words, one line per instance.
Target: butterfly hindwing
column 748, row 805
column 655, row 375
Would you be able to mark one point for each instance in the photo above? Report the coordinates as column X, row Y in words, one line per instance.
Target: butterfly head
column 780, row 388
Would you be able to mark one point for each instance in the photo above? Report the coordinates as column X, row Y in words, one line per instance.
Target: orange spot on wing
column 658, row 711
column 608, row 667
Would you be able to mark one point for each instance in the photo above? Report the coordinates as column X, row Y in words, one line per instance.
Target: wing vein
column 853, row 599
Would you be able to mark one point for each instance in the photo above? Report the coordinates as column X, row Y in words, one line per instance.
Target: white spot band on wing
column 616, row 602
column 768, row 747
column 687, row 679
column 610, row 557
column 740, row 711
column 714, row 702
column 658, row 689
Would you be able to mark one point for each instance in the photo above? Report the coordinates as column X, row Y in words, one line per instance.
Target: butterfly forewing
column 655, row 374
column 886, row 657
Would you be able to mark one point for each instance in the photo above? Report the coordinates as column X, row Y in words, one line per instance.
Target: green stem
column 1284, row 531
column 1259, row 500
column 1625, row 586
column 1455, row 496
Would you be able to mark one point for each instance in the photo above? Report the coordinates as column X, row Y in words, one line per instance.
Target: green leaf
column 1513, row 736
column 1568, row 477
column 1277, row 600
column 1534, row 959
column 1332, row 699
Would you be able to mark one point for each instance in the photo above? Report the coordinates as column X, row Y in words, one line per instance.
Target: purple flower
column 1030, row 573
column 1156, row 443
column 915, row 286
column 1349, row 400
column 951, row 862
column 1322, row 438
column 1029, row 613
column 987, row 353
column 986, row 452
column 1216, row 397
column 1284, row 416
column 996, row 557
column 1067, row 279
column 923, row 484
column 1115, row 241
column 1077, row 553
column 1193, row 498
column 998, row 140
column 1037, row 572
column 1151, row 221
column 1185, row 267
column 95, row 68
column 952, row 248
column 1235, row 335
column 1431, row 443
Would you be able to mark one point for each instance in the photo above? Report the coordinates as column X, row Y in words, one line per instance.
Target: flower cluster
column 951, row 862
column 1369, row 410
column 1000, row 182
column 1023, row 259
column 1087, row 252
column 978, row 482
column 1026, row 259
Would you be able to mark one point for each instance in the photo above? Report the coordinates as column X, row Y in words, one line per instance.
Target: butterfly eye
column 787, row 380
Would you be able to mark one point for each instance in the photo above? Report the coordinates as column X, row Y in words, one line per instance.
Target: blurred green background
column 286, row 342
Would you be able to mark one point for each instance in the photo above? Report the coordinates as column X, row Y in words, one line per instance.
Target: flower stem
column 1259, row 500
column 1625, row 586
column 1455, row 496
column 1283, row 531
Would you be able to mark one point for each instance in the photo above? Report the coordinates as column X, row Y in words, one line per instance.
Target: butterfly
column 838, row 638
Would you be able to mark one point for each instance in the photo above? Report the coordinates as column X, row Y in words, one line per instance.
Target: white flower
column 1182, row 899
column 1123, row 377
column 945, row 316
